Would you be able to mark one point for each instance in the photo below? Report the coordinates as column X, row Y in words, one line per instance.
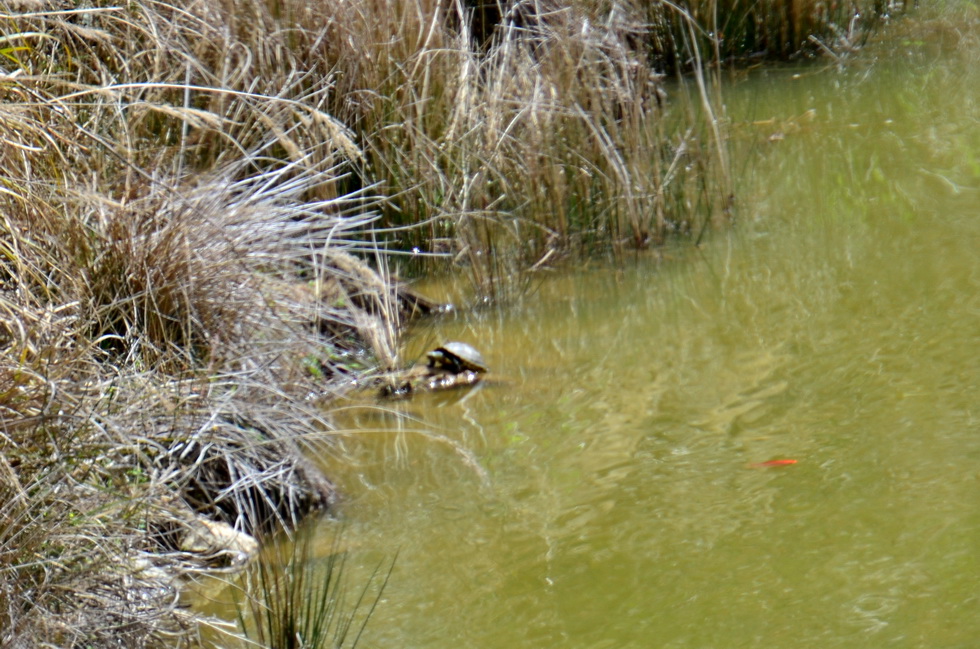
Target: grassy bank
column 185, row 191
column 175, row 284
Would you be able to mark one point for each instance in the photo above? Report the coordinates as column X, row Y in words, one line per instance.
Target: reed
column 547, row 139
column 741, row 32
column 293, row 600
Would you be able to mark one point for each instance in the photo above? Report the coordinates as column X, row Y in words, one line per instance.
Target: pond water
column 604, row 487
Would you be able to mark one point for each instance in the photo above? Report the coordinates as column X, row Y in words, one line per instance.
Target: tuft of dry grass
column 74, row 572
column 152, row 366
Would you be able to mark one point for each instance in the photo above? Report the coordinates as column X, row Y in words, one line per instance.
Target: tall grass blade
column 294, row 600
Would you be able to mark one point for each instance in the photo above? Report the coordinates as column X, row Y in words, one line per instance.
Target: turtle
column 456, row 358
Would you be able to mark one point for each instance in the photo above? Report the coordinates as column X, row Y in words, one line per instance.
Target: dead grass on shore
column 155, row 360
column 149, row 369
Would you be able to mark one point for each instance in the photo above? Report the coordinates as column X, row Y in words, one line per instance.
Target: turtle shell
column 457, row 357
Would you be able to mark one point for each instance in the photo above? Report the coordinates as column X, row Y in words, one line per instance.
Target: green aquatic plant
column 294, row 599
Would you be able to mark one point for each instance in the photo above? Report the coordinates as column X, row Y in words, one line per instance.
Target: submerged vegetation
column 188, row 193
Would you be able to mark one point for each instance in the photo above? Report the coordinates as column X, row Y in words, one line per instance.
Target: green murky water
column 600, row 491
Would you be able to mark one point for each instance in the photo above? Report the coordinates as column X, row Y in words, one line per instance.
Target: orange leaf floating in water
column 762, row 465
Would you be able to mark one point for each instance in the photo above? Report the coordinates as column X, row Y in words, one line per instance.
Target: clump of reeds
column 518, row 132
column 739, row 32
column 293, row 599
column 549, row 136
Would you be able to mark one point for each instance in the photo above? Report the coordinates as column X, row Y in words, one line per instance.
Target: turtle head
column 443, row 359
column 437, row 359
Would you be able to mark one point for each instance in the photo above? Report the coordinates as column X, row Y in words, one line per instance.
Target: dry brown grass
column 153, row 220
column 553, row 139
